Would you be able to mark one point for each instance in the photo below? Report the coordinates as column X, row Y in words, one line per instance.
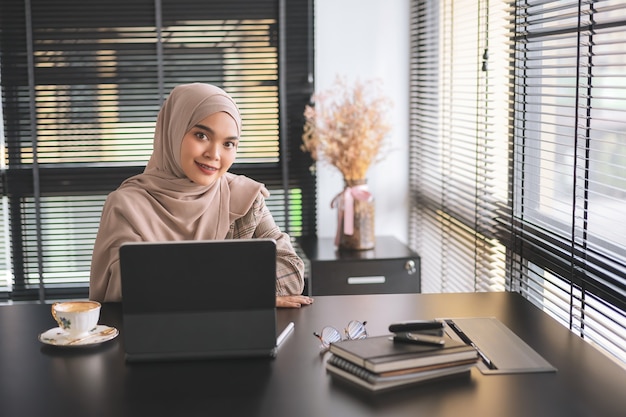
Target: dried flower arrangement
column 347, row 126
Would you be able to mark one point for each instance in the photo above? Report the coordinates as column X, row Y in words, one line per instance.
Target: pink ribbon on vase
column 355, row 192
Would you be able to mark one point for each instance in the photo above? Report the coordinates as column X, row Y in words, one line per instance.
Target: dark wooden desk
column 39, row 380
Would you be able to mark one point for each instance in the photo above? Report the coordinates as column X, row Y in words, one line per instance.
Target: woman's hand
column 293, row 301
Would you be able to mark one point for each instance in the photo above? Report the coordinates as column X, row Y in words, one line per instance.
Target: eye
column 230, row 145
column 201, row 135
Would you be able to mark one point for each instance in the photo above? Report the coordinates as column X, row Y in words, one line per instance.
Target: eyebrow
column 208, row 129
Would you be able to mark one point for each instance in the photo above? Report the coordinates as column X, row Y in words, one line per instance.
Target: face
column 209, row 148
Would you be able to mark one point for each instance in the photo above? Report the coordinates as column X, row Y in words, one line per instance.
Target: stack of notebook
column 385, row 362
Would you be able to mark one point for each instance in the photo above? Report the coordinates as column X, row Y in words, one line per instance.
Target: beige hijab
column 162, row 204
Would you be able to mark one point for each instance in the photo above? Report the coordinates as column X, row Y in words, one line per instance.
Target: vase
column 355, row 216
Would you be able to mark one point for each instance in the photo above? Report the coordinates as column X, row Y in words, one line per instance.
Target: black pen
column 468, row 341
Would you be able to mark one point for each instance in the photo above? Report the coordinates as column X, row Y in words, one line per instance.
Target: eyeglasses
column 354, row 330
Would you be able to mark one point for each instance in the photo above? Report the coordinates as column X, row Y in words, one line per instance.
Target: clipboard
column 501, row 350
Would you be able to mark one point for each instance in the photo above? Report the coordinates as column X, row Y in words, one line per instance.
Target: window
column 518, row 155
column 458, row 152
column 568, row 178
column 82, row 85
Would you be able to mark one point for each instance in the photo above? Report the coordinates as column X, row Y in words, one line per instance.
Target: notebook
column 199, row 299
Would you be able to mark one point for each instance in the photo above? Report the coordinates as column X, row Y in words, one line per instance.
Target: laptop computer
column 199, row 299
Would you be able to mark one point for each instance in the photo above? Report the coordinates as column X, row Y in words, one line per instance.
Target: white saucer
column 58, row 337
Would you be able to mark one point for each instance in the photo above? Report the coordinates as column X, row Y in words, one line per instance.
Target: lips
column 206, row 168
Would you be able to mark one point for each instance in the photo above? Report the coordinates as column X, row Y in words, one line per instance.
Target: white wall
column 368, row 39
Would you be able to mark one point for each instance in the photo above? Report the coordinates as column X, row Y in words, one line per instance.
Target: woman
column 186, row 193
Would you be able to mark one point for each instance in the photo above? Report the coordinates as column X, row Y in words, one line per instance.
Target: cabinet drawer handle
column 379, row 279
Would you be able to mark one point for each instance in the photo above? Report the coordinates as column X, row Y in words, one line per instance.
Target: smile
column 206, row 167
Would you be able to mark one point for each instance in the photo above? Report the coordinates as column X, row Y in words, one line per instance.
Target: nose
column 211, row 152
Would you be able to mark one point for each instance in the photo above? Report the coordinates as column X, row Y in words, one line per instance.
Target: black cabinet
column 390, row 268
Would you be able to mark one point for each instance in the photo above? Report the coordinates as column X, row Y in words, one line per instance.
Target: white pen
column 283, row 335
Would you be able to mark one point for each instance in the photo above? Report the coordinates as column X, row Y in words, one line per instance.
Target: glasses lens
column 329, row 335
column 356, row 330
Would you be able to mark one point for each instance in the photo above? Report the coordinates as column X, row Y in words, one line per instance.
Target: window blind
column 569, row 182
column 82, row 85
column 458, row 150
column 517, row 155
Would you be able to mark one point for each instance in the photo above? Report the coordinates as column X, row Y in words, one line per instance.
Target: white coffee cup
column 77, row 318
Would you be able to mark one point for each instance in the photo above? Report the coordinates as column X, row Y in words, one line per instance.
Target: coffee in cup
column 77, row 318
